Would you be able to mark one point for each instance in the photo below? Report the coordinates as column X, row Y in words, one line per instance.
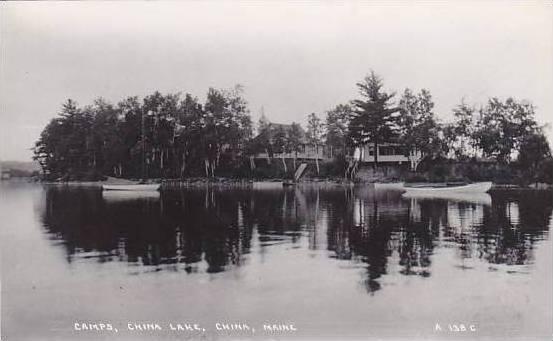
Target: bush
column 545, row 171
column 333, row 168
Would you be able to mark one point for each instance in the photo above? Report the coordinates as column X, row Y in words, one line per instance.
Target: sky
column 292, row 58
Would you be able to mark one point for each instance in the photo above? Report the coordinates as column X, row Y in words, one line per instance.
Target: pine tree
column 372, row 120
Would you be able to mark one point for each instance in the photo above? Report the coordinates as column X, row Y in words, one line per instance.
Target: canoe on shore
column 477, row 187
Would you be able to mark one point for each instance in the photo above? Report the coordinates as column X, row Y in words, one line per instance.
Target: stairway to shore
column 300, row 171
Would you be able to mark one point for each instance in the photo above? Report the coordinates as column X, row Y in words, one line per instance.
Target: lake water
column 328, row 262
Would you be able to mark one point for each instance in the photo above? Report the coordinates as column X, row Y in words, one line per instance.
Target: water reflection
column 216, row 229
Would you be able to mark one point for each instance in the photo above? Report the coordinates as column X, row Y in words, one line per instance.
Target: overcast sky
column 292, row 58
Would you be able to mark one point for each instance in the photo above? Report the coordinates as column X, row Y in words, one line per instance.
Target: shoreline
column 222, row 181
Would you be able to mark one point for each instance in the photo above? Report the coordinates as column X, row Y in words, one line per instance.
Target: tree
column 264, row 138
column 280, row 144
column 461, row 134
column 336, row 125
column 372, row 119
column 502, row 127
column 108, row 148
column 227, row 126
column 64, row 147
column 161, row 113
column 314, row 135
column 417, row 126
column 294, row 140
column 188, row 135
column 129, row 130
column 263, row 123
column 534, row 151
column 158, row 136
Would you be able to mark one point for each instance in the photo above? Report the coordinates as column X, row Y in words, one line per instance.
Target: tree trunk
column 252, row 163
column 284, row 163
column 317, row 159
column 206, row 164
column 183, row 166
column 375, row 164
column 268, row 157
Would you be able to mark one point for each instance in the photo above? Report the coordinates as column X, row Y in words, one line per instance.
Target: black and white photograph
column 276, row 170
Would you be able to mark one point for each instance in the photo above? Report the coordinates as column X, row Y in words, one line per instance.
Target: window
column 387, row 150
column 371, row 151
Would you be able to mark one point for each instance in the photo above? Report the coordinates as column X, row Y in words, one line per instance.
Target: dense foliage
column 174, row 136
column 160, row 136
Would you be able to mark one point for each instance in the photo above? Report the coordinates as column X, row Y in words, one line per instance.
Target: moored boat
column 468, row 197
column 125, row 195
column 389, row 185
column 267, row 184
column 477, row 187
column 131, row 187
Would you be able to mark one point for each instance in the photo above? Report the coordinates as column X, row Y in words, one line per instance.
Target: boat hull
column 388, row 185
column 267, row 184
column 115, row 196
column 129, row 187
column 474, row 198
column 478, row 187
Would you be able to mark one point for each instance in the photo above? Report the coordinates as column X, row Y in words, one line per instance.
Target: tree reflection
column 213, row 229
column 180, row 227
column 369, row 227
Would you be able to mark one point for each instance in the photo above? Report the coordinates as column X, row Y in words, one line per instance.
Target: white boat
column 388, row 185
column 477, row 187
column 474, row 198
column 267, row 184
column 116, row 196
column 131, row 187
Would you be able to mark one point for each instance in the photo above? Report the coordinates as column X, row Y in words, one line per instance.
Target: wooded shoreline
column 246, row 182
column 175, row 137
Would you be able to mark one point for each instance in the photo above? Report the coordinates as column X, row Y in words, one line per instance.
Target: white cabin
column 387, row 153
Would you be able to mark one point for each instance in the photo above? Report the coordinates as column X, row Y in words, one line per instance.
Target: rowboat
column 477, row 187
column 124, row 195
column 267, row 184
column 131, row 187
column 388, row 185
column 466, row 197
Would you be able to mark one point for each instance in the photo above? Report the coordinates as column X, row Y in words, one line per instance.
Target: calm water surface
column 332, row 261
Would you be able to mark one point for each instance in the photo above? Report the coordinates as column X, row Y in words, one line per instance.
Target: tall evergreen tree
column 372, row 120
